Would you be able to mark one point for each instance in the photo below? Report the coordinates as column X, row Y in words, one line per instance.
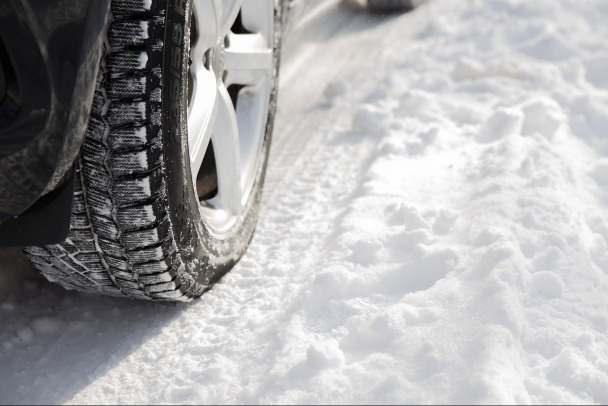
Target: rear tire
column 391, row 6
column 139, row 228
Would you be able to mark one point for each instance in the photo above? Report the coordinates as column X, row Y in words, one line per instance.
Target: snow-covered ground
column 434, row 230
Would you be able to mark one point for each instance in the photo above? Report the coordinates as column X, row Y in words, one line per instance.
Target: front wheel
column 169, row 179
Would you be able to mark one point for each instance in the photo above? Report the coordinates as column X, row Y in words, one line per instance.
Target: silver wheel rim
column 230, row 83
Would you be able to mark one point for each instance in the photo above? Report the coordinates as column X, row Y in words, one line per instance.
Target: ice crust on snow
column 434, row 230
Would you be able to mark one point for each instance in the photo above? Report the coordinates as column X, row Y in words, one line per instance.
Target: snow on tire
column 138, row 227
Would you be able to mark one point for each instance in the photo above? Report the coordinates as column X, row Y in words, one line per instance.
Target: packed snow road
column 434, row 230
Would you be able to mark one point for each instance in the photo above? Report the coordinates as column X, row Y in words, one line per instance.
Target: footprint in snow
column 424, row 268
column 544, row 117
column 371, row 119
column 546, row 285
column 503, row 123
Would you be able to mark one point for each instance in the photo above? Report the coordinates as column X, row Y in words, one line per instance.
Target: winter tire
column 388, row 6
column 169, row 179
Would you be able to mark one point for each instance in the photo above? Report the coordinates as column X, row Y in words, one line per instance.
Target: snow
column 144, row 30
column 434, row 230
column 143, row 61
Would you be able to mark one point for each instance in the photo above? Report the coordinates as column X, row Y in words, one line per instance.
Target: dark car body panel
column 49, row 51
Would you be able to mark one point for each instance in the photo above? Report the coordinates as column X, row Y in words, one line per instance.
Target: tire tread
column 121, row 240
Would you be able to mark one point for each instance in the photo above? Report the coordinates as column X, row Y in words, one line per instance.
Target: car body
column 48, row 62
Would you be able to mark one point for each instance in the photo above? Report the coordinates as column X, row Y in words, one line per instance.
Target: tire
column 391, row 6
column 142, row 226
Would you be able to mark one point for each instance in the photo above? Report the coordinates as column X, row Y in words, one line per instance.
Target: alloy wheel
column 229, row 89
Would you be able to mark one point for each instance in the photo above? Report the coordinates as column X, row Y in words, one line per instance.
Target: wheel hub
column 215, row 59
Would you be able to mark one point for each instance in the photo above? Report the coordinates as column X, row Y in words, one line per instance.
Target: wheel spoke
column 202, row 114
column 208, row 15
column 257, row 16
column 225, row 138
column 230, row 10
column 248, row 59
